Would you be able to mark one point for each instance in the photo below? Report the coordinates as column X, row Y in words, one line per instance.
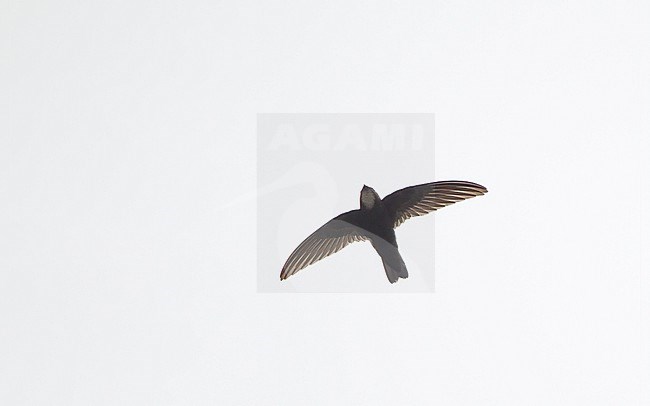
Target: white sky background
column 311, row 167
column 127, row 127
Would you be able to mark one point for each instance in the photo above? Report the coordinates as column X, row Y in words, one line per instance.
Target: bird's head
column 368, row 197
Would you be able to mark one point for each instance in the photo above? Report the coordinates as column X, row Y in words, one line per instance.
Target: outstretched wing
column 422, row 199
column 330, row 238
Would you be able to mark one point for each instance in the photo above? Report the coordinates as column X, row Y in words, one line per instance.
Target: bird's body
column 375, row 221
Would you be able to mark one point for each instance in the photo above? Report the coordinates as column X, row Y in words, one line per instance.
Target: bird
column 376, row 221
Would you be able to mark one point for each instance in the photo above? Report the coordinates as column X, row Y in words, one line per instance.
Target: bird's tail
column 393, row 263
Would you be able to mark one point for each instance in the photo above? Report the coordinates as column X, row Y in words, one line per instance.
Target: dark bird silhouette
column 375, row 221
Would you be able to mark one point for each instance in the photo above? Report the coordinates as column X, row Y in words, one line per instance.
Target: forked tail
column 393, row 263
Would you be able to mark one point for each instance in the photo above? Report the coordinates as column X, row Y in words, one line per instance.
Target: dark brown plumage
column 375, row 221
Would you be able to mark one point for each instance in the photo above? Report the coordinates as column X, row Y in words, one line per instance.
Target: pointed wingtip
column 478, row 187
column 482, row 188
